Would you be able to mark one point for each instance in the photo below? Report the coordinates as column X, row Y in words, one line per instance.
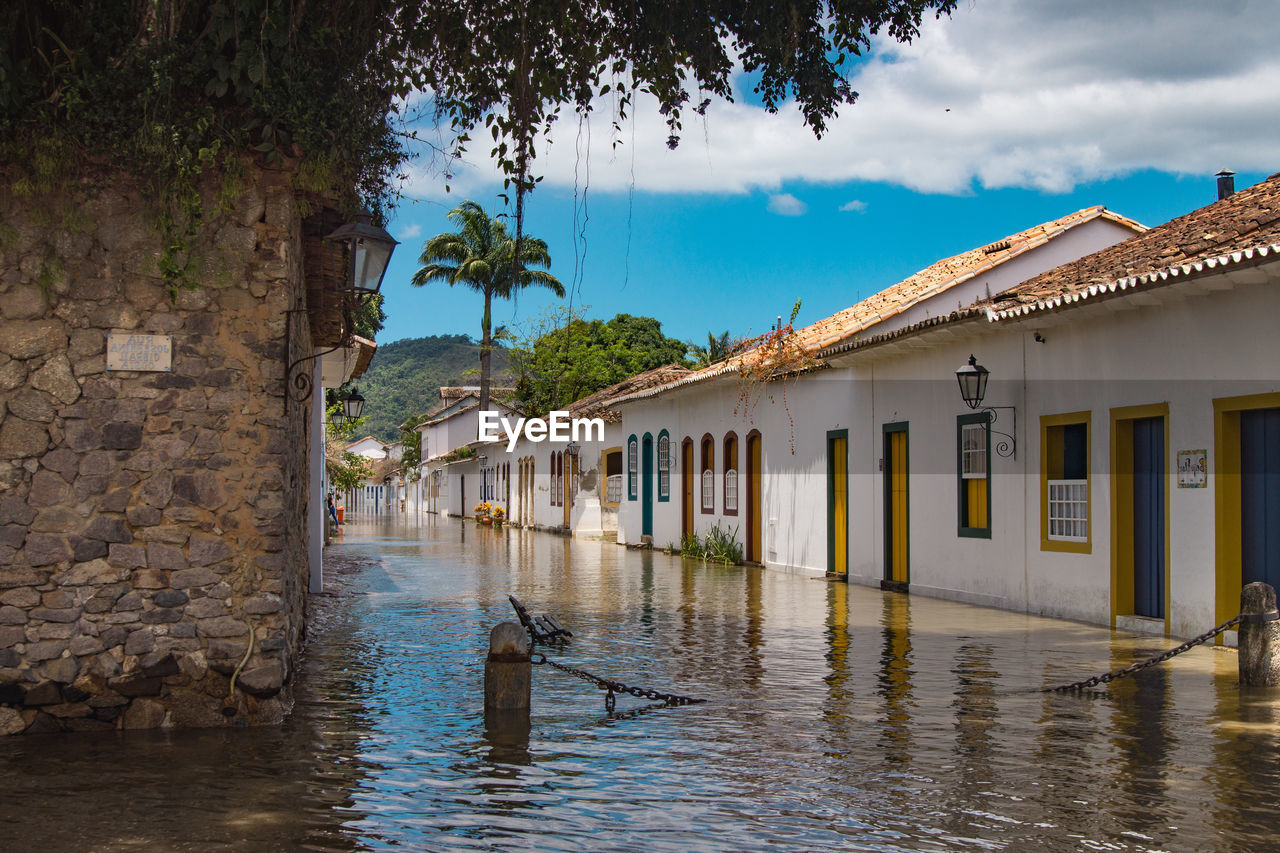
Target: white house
column 751, row 457
column 1123, row 467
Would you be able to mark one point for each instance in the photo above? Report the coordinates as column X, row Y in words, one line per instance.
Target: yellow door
column 838, row 522
column 896, row 506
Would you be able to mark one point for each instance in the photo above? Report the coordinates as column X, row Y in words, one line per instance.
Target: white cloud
column 1026, row 93
column 785, row 204
column 411, row 231
column 854, row 206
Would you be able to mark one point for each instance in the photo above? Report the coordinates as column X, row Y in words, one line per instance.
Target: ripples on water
column 839, row 718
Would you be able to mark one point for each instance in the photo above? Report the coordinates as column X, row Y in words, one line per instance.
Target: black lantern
column 573, row 448
column 353, row 404
column 973, row 382
column 369, row 251
column 339, row 417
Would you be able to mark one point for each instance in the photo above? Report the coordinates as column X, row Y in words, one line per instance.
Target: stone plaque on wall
column 140, row 352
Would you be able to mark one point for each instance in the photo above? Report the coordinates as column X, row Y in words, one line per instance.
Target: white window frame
column 1069, row 510
column 973, row 451
column 613, row 489
column 664, row 466
column 708, row 489
column 731, row 490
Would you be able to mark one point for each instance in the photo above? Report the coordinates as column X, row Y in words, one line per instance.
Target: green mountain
column 405, row 376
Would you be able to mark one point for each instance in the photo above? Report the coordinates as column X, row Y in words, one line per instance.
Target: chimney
column 1226, row 183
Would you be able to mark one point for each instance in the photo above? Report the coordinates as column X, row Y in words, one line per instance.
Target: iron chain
column 614, row 687
column 1141, row 665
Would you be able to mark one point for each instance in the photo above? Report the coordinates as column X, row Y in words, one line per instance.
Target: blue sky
column 980, row 129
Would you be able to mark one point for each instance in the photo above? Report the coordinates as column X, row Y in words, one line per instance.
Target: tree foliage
column 169, row 88
column 481, row 255
column 405, row 376
column 564, row 357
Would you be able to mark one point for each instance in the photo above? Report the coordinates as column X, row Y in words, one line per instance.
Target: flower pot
column 484, row 519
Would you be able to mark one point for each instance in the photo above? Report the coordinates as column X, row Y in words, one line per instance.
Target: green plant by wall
column 718, row 545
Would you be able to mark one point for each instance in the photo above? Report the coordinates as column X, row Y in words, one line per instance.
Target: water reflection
column 840, row 717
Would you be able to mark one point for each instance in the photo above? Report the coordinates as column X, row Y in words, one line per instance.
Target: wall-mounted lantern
column 973, row 388
column 352, row 404
column 573, row 448
column 368, row 251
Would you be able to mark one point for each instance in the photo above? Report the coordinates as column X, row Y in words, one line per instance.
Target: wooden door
column 838, row 502
column 755, row 510
column 896, row 506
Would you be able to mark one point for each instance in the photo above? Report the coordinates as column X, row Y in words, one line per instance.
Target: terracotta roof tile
column 939, row 277
column 597, row 405
column 1247, row 219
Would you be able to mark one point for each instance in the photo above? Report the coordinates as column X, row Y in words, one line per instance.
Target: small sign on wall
column 1193, row 469
column 140, row 352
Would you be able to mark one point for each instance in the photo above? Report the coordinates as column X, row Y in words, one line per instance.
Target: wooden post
column 508, row 671
column 1259, row 637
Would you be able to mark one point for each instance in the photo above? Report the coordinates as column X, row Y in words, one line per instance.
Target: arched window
column 633, row 468
column 708, row 474
column 664, row 466
column 553, row 478
column 731, row 474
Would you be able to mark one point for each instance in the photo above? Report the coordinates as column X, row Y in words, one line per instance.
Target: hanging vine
column 766, row 364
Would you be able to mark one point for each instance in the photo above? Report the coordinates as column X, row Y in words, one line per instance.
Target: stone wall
column 149, row 521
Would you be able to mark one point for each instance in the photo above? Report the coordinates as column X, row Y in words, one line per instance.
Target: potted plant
column 498, row 515
column 484, row 512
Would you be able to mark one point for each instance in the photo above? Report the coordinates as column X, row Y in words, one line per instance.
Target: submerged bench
column 545, row 629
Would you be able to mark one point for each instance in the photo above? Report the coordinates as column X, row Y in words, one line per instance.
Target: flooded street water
column 838, row 718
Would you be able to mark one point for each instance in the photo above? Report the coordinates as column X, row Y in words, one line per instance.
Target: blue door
column 646, row 485
column 1148, row 517
column 1260, row 501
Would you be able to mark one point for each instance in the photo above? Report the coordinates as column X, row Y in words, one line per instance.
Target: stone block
column 161, row 556
column 157, row 491
column 13, row 535
column 10, row 615
column 159, row 665
column 170, row 598
column 205, row 608
column 56, row 519
column 262, row 681
column 13, row 373
column 109, row 530
column 47, row 489
column 221, row 626
column 56, row 378
column 117, row 500
column 89, row 549
column 260, row 605
column 61, row 670
column 20, row 597
column 161, row 616
column 129, row 602
column 67, row 614
column 140, row 642
column 43, row 549
column 200, row 490
column 93, row 572
column 52, row 630
column 142, row 516
column 11, row 722
column 58, row 598
column 43, row 693
column 32, row 405
column 149, row 579
column 127, row 556
column 20, row 439
column 113, row 637
column 187, row 578
column 11, row 635
column 118, row 436
column 169, row 534
column 46, row 650
column 82, row 436
column 136, row 684
column 85, row 645
column 30, row 338
column 86, row 487
column 14, row 510
column 205, row 550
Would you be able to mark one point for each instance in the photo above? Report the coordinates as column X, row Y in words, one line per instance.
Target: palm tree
column 485, row 258
column 717, row 349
